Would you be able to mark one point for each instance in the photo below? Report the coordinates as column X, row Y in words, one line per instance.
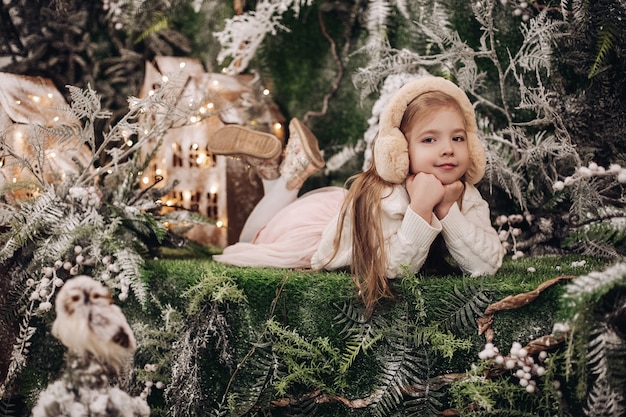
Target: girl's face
column 438, row 145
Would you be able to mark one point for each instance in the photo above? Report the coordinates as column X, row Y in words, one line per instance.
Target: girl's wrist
column 441, row 211
column 424, row 213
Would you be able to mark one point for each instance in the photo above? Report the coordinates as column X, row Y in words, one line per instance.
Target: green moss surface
column 310, row 304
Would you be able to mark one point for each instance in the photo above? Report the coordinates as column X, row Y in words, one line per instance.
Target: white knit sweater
column 468, row 235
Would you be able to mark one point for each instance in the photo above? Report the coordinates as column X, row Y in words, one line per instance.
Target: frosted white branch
column 243, row 34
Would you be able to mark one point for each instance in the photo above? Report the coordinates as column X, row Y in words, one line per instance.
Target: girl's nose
column 446, row 147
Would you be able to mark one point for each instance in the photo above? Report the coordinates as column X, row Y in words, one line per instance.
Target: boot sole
column 309, row 141
column 240, row 141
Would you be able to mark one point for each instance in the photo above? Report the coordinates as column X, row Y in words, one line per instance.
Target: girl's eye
column 458, row 139
column 428, row 140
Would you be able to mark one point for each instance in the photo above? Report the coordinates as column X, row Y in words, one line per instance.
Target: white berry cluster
column 519, row 362
column 520, row 9
column 509, row 230
column 115, row 12
column 149, row 384
column 86, row 196
column 592, row 170
column 44, row 289
column 53, row 277
column 112, row 269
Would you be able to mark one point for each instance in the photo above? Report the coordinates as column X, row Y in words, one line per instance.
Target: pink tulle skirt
column 291, row 238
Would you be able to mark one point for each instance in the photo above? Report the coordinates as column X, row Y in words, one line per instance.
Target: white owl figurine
column 88, row 322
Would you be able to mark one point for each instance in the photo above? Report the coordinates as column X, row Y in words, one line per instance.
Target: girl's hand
column 425, row 192
column 452, row 193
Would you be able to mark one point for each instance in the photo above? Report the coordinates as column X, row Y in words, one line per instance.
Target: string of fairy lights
column 172, row 160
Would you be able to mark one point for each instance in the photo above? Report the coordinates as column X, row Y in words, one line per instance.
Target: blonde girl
column 419, row 188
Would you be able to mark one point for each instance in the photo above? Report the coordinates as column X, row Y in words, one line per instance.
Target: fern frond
column 8, row 409
column 160, row 24
column 256, row 381
column 129, row 276
column 360, row 341
column 64, row 235
column 428, row 402
column 606, row 42
column 212, row 287
column 85, row 103
column 15, row 299
column 500, row 170
column 350, row 316
column 459, row 309
column 306, row 408
column 401, row 366
column 32, row 222
column 603, row 238
column 422, row 335
column 377, row 15
column 593, row 286
column 536, row 50
column 606, row 353
column 307, row 363
column 603, row 400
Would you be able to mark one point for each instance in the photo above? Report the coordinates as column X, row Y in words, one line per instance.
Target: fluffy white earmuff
column 391, row 148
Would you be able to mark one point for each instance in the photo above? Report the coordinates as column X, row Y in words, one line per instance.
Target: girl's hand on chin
column 425, row 192
column 452, row 193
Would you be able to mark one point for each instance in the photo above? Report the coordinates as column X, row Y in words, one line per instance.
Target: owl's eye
column 96, row 296
column 75, row 297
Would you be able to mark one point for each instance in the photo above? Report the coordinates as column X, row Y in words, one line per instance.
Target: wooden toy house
column 218, row 187
column 28, row 106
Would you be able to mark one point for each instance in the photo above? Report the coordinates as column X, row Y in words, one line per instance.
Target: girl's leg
column 302, row 159
column 277, row 196
column 281, row 182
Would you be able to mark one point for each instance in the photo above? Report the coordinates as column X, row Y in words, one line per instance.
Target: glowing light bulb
column 145, row 180
column 266, row 92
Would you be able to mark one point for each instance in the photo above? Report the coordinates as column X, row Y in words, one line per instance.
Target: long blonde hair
column 363, row 203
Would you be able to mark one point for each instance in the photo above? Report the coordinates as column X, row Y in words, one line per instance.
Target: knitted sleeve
column 470, row 237
column 408, row 247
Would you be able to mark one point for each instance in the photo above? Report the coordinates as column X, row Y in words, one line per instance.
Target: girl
column 425, row 161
